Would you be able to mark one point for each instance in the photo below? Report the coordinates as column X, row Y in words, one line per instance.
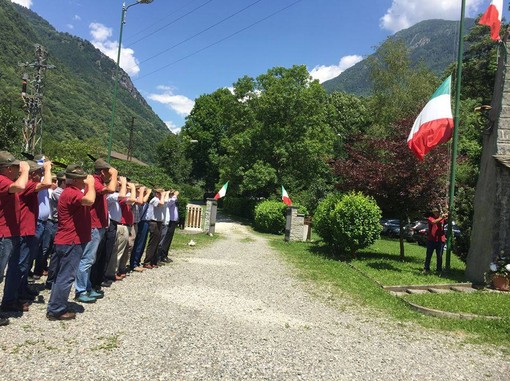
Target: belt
column 119, row 223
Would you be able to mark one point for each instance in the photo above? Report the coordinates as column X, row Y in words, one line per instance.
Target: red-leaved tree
column 386, row 169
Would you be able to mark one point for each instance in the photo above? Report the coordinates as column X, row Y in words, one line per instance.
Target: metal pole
column 116, row 83
column 451, row 199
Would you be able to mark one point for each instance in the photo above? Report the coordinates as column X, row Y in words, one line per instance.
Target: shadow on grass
column 383, row 266
column 389, row 257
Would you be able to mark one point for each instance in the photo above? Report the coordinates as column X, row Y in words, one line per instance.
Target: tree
column 387, row 170
column 285, row 136
column 172, row 159
column 208, row 123
column 10, row 127
column 399, row 89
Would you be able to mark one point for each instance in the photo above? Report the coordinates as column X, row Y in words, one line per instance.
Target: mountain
column 433, row 42
column 78, row 91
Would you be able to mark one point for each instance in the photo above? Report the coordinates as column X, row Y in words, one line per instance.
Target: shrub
column 323, row 217
column 349, row 224
column 270, row 217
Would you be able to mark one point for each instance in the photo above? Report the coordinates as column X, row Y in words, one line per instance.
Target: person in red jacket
column 436, row 239
column 13, row 180
column 73, row 234
column 17, row 294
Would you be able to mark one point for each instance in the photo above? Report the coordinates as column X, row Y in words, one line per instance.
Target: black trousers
column 167, row 235
column 104, row 252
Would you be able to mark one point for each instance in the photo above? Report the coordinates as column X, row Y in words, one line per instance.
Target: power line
column 201, row 32
column 170, row 23
column 221, row 40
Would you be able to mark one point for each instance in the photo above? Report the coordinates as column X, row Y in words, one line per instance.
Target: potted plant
column 499, row 273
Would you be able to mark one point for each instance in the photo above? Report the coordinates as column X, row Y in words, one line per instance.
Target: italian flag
column 492, row 18
column 285, row 197
column 434, row 125
column 222, row 191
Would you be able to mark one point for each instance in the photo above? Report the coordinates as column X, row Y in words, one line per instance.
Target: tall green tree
column 399, row 89
column 288, row 138
column 172, row 159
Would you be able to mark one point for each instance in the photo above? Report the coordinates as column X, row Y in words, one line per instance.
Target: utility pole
column 32, row 94
column 130, row 144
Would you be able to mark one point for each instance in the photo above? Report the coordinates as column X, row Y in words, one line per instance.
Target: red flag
column 492, row 18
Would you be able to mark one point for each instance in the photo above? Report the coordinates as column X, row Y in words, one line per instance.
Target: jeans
column 139, row 245
column 45, row 245
column 28, row 252
column 67, row 259
column 8, row 246
column 104, row 252
column 438, row 247
column 16, row 280
column 88, row 258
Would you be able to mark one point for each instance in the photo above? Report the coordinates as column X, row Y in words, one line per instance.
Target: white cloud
column 70, row 26
column 25, row 3
column 405, row 13
column 181, row 104
column 77, row 18
column 101, row 40
column 323, row 73
column 173, row 127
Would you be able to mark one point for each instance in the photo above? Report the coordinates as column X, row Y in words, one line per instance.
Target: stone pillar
column 210, row 215
column 295, row 225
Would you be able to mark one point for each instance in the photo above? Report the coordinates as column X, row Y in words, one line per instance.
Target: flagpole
column 453, row 169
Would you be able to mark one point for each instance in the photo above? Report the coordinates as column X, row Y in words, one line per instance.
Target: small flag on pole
column 285, row 197
column 434, row 125
column 492, row 18
column 222, row 191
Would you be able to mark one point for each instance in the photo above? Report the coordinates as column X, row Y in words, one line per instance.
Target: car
column 411, row 229
column 420, row 236
column 390, row 226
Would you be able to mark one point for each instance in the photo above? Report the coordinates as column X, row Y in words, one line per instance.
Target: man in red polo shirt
column 436, row 239
column 104, row 173
column 16, row 286
column 13, row 179
column 73, row 234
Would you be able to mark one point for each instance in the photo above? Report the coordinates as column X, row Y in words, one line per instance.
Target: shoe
column 99, row 291
column 106, row 283
column 48, row 285
column 138, row 269
column 95, row 294
column 64, row 316
column 147, row 266
column 45, row 273
column 166, row 260
column 118, row 278
column 36, row 277
column 84, row 298
column 4, row 321
column 425, row 272
column 122, row 275
column 14, row 307
column 154, row 266
column 32, row 292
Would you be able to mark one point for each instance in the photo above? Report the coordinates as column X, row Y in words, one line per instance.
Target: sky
column 177, row 50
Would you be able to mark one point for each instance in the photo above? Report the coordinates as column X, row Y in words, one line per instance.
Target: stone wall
column 491, row 219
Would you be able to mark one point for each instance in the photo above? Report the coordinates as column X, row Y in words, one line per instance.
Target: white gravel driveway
column 231, row 311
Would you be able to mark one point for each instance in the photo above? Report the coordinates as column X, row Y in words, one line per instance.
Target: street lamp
column 116, row 84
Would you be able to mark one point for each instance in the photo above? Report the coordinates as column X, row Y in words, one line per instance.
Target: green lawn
column 337, row 279
column 183, row 237
column 382, row 262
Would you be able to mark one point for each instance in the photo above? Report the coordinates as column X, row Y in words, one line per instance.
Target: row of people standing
column 103, row 220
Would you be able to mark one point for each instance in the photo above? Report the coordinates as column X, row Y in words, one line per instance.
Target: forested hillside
column 78, row 91
column 431, row 42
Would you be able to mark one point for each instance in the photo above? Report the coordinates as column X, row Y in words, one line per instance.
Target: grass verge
column 315, row 263
column 183, row 237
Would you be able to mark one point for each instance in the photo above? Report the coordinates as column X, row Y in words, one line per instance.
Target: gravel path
column 232, row 311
